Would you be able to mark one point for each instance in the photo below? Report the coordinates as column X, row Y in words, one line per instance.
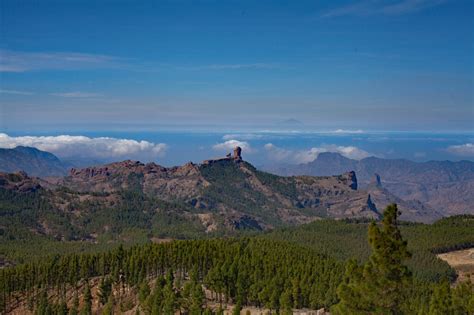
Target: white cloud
column 371, row 7
column 15, row 92
column 229, row 145
column 345, row 131
column 466, row 149
column 66, row 146
column 277, row 153
column 18, row 61
column 306, row 156
column 76, row 94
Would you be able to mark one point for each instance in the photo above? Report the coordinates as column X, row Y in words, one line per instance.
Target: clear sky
column 112, row 65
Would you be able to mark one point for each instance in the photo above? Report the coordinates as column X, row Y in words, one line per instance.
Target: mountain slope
column 32, row 161
column 447, row 187
column 117, row 200
column 230, row 187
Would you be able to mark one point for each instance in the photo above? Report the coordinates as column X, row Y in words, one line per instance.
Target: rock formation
column 238, row 153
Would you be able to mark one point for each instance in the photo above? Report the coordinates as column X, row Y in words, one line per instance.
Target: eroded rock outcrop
column 20, row 182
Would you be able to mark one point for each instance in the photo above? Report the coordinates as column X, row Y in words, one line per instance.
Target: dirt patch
column 462, row 261
column 207, row 220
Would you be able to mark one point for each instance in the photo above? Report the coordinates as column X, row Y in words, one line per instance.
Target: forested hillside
column 346, row 239
column 245, row 271
column 283, row 270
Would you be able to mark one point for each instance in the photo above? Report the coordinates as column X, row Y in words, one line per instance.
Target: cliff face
column 445, row 187
column 231, row 188
column 19, row 182
column 216, row 196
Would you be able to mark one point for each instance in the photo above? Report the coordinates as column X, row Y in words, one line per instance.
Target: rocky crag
column 217, row 195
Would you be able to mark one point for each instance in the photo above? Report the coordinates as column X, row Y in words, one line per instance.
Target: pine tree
column 61, row 308
column 377, row 287
column 109, row 306
column 43, row 307
column 197, row 298
column 441, row 300
column 87, row 308
column 144, row 292
column 75, row 305
column 286, row 302
column 237, row 309
column 169, row 295
column 105, row 288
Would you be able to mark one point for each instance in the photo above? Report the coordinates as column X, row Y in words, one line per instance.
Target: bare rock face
column 19, row 181
column 445, row 186
column 375, row 181
column 169, row 183
column 350, row 179
column 245, row 222
column 411, row 210
column 238, row 153
column 227, row 194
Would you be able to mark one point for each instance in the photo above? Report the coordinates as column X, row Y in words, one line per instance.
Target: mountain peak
column 31, row 160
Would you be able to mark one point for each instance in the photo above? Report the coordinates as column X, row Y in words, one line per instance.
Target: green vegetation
column 288, row 268
column 31, row 227
column 229, row 186
column 346, row 239
column 245, row 271
column 276, row 275
column 378, row 286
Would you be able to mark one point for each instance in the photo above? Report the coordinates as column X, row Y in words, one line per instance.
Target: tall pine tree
column 377, row 287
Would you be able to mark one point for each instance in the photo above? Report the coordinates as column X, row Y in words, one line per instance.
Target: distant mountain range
column 32, row 161
column 39, row 163
column 443, row 186
column 226, row 194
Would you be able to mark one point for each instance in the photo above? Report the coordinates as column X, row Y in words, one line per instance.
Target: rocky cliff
column 216, row 196
column 445, row 187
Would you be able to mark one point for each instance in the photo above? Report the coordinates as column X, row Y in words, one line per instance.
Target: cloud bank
column 466, row 149
column 305, row 156
column 348, row 131
column 66, row 146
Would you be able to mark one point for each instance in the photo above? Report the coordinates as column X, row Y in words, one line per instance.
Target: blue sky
column 173, row 81
column 154, row 65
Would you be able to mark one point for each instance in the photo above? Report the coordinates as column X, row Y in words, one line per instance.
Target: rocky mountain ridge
column 446, row 187
column 197, row 184
column 216, row 196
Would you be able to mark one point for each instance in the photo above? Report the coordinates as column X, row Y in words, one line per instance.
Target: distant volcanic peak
column 290, row 122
